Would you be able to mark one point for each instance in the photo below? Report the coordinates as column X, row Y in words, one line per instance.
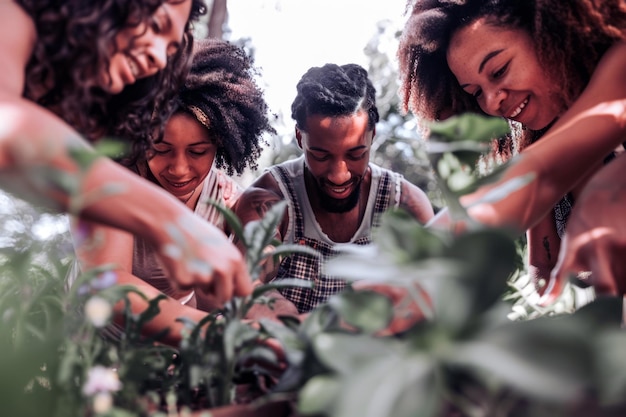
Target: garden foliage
column 460, row 356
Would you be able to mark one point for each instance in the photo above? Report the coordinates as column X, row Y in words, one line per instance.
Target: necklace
column 189, row 198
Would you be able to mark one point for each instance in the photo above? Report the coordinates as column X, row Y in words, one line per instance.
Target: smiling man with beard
column 334, row 194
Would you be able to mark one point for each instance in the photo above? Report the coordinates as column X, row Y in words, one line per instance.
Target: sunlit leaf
column 345, row 353
column 368, row 311
column 546, row 358
column 469, row 127
column 281, row 283
column 396, row 386
column 319, row 395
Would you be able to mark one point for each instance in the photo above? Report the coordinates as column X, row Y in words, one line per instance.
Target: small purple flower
column 104, row 280
column 84, row 289
column 81, row 233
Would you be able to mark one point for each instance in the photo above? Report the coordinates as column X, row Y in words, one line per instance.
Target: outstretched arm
column 98, row 245
column 36, row 164
column 253, row 205
column 588, row 131
column 415, row 201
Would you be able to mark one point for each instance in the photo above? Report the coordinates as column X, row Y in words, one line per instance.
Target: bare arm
column 107, row 245
column 252, row 205
column 415, row 201
column 593, row 126
column 36, row 165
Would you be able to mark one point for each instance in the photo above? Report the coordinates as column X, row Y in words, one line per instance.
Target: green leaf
column 610, row 366
column 366, row 310
column 321, row 319
column 405, row 239
column 259, row 234
column 319, row 395
column 469, row 127
column 392, row 386
column 112, row 148
column 258, row 355
column 288, row 338
column 548, row 358
column 281, row 283
column 344, row 353
column 230, row 217
column 485, row 260
column 236, row 335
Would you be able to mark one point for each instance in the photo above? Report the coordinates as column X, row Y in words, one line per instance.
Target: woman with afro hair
column 217, row 129
column 555, row 70
column 75, row 71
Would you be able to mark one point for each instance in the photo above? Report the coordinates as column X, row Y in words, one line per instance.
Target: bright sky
column 290, row 36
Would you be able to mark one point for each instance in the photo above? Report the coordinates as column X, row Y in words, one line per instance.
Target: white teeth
column 133, row 66
column 179, row 184
column 519, row 109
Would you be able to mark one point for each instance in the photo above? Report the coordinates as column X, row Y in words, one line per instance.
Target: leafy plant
column 224, row 350
column 467, row 358
column 58, row 360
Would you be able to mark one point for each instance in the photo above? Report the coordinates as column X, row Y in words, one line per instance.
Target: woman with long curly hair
column 554, row 69
column 217, row 129
column 75, row 71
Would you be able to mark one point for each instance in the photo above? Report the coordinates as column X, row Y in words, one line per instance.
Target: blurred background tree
column 398, row 145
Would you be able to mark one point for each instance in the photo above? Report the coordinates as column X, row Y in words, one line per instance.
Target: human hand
column 279, row 306
column 230, row 190
column 406, row 310
column 595, row 239
column 199, row 255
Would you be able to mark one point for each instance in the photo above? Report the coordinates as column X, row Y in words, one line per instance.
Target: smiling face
column 336, row 152
column 143, row 50
column 184, row 158
column 499, row 67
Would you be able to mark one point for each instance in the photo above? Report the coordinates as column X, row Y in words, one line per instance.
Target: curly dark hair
column 73, row 37
column 334, row 90
column 570, row 38
column 221, row 92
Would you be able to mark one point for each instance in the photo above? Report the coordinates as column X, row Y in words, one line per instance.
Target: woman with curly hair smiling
column 219, row 120
column 554, row 69
column 75, row 69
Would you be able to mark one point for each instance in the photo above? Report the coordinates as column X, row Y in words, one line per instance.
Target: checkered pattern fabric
column 307, row 267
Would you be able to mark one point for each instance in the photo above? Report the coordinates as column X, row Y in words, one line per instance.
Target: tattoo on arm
column 414, row 204
column 546, row 246
column 262, row 200
column 262, row 206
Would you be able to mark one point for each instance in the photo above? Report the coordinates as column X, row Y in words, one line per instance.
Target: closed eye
column 319, row 157
column 161, row 151
column 155, row 26
column 357, row 157
column 499, row 73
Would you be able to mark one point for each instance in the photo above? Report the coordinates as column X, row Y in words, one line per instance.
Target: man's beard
column 335, row 205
